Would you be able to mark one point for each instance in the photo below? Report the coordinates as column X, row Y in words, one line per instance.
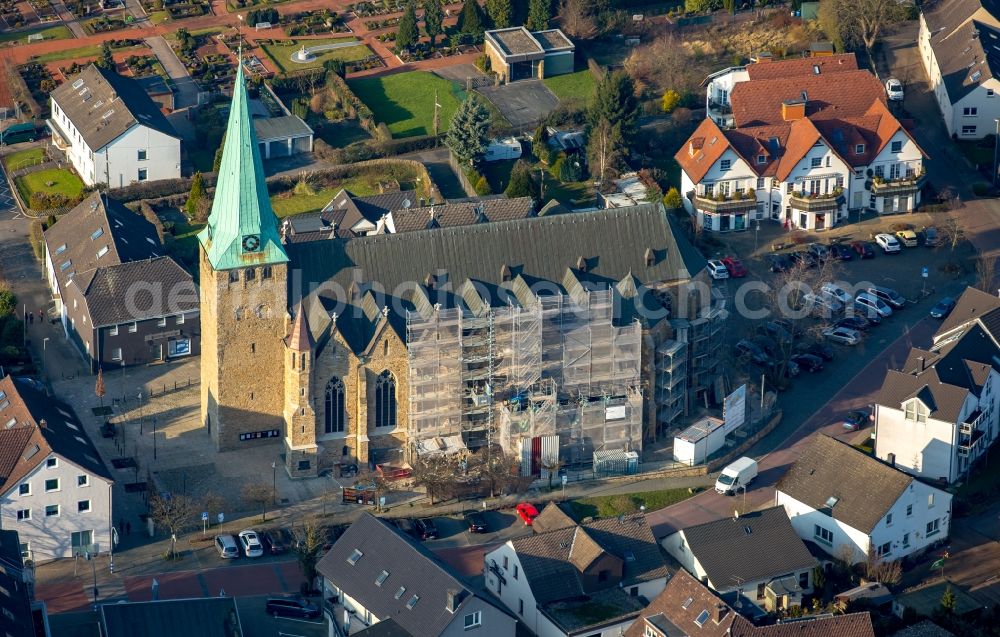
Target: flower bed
column 375, row 25
column 368, row 9
column 313, row 23
column 187, row 10
column 103, row 24
column 40, row 83
column 145, row 65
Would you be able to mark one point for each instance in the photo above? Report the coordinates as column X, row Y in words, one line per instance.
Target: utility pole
column 437, row 120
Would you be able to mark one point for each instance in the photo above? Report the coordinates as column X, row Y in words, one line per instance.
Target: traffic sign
column 204, row 516
column 924, row 272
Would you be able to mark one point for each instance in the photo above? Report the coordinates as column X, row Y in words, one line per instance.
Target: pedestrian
column 128, row 528
column 31, row 317
column 40, row 315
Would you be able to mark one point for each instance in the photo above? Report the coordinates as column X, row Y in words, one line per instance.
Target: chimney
column 792, row 110
column 736, row 514
column 720, row 613
column 891, row 459
column 43, row 423
column 923, row 363
column 452, row 601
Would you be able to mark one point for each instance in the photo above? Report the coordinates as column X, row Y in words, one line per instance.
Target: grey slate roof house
column 375, row 573
column 208, row 617
column 749, row 556
column 20, row 616
column 120, row 300
column 112, row 131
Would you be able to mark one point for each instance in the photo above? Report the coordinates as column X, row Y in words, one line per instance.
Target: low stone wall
column 718, row 463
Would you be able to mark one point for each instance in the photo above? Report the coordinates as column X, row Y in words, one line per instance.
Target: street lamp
column 140, row 413
column 154, row 437
column 274, row 482
column 45, row 341
column 995, row 143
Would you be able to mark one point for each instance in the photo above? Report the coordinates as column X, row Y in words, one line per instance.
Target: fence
column 467, row 186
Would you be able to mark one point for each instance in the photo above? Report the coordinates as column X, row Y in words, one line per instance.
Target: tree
column 877, row 569
column 698, row 6
column 434, row 472
column 949, row 602
column 106, row 61
column 672, row 200
column 986, row 270
column 336, row 66
column 8, row 300
column 308, row 543
column 539, row 14
column 501, row 13
column 614, row 101
column 858, row 22
column 258, row 494
column 196, row 196
column 217, row 161
column 577, row 20
column 407, row 33
column 175, row 513
column 433, row 19
column 521, row 184
column 552, row 465
column 467, row 135
column 604, row 148
column 99, row 387
column 470, row 20
column 671, row 99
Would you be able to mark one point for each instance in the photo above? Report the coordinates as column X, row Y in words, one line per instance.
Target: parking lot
column 257, row 623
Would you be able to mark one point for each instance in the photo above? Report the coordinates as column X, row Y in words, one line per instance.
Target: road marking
column 301, row 621
column 281, row 634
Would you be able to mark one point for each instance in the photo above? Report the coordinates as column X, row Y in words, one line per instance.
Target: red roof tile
column 802, row 66
column 704, row 147
column 849, row 94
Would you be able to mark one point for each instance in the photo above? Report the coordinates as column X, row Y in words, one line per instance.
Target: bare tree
column 986, row 273
column 880, row 570
column 604, row 150
column 257, row 494
column 434, row 473
column 861, row 22
column 496, row 467
column 576, row 19
column 382, row 489
column 307, row 546
column 174, row 513
column 952, row 234
column 552, row 464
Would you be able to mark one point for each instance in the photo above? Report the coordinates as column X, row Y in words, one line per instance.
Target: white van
column 738, row 475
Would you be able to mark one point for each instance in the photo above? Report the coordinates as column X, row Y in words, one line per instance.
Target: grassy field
column 298, row 204
column 158, row 17
column 280, row 53
column 59, row 32
column 606, row 506
column 573, row 86
column 63, row 182
column 72, row 54
column 366, row 183
column 24, row 158
column 405, row 101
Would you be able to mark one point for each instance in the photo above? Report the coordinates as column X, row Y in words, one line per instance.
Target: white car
column 822, row 303
column 251, row 543
column 871, row 304
column 836, row 292
column 842, row 335
column 888, row 243
column 717, row 269
column 894, row 90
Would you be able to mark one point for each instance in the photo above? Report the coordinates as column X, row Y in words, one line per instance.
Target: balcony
column 805, row 202
column 971, row 422
column 901, row 186
column 720, row 108
column 970, row 445
column 728, row 205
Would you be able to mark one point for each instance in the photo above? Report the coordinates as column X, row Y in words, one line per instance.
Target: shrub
column 482, row 186
column 483, row 63
column 671, row 99
column 672, row 200
column 555, row 168
column 980, row 189
column 36, row 240
column 570, row 170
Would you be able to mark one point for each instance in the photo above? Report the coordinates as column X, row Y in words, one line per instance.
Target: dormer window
column 859, row 149
column 915, row 411
column 761, row 159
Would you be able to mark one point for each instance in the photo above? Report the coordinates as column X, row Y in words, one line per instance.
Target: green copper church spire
column 242, row 230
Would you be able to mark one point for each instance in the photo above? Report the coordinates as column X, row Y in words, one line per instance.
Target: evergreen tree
column 539, row 14
column 470, row 21
column 467, row 135
column 501, row 13
column 217, row 162
column 521, row 184
column 948, row 601
column 407, row 34
column 196, row 195
column 614, row 100
column 106, row 61
column 433, row 19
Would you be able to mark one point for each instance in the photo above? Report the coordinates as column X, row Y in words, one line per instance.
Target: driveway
column 522, row 103
column 187, row 89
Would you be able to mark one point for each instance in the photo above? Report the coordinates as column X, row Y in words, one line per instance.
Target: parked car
column 859, row 323
column 426, row 530
column 870, row 317
column 943, row 308
column 819, row 251
column 108, row 429
column 808, row 362
column 792, row 369
column 250, row 543
column 291, row 606
column 739, row 474
column 894, row 90
column 888, row 295
column 855, row 420
column 772, row 329
column 226, row 545
column 803, row 257
column 476, row 522
column 405, row 525
column 778, row 262
column 836, row 292
column 717, row 269
column 527, row 512
column 871, row 303
column 16, row 133
column 817, row 348
column 752, row 351
column 842, row 335
column 932, row 238
column 888, row 243
column 822, row 303
column 841, row 252
column 789, row 327
column 864, row 249
column 277, row 541
column 907, row 237
column 735, row 267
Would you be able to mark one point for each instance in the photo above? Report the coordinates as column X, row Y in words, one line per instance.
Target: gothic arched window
column 385, row 400
column 335, row 415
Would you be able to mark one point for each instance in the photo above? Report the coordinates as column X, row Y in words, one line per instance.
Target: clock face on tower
column 251, row 243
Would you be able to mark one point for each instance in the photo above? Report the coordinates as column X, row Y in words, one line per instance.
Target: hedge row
column 340, row 87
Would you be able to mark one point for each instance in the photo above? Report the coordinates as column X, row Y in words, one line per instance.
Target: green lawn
column 63, row 182
column 298, row 204
column 58, row 32
column 573, row 86
column 24, row 158
column 405, row 101
column 72, row 54
column 363, row 184
column 976, row 151
column 606, row 506
column 158, row 17
column 281, row 53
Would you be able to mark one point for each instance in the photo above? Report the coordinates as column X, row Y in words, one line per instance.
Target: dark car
column 943, row 308
column 425, row 529
column 778, row 262
column 405, row 525
column 291, row 606
column 888, row 295
column 857, row 322
column 277, row 541
column 841, row 252
column 864, row 249
column 789, row 327
column 805, row 258
column 808, row 362
column 932, row 238
column 108, row 429
column 856, row 420
column 476, row 522
column 819, row 251
column 749, row 350
column 817, row 348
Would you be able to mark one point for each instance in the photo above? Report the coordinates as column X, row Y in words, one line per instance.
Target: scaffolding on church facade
column 551, row 371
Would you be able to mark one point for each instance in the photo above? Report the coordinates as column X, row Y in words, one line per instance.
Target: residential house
column 755, row 556
column 56, row 491
column 687, row 608
column 205, row 617
column 957, row 43
column 516, row 53
column 926, row 628
column 20, row 614
column 925, row 600
column 120, row 300
column 374, row 573
column 938, row 415
column 850, row 504
column 577, row 579
column 803, row 142
column 111, row 130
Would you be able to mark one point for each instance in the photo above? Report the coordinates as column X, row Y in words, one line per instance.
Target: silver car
column 842, row 335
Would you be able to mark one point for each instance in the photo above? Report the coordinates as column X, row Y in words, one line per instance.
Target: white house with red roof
column 803, row 141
